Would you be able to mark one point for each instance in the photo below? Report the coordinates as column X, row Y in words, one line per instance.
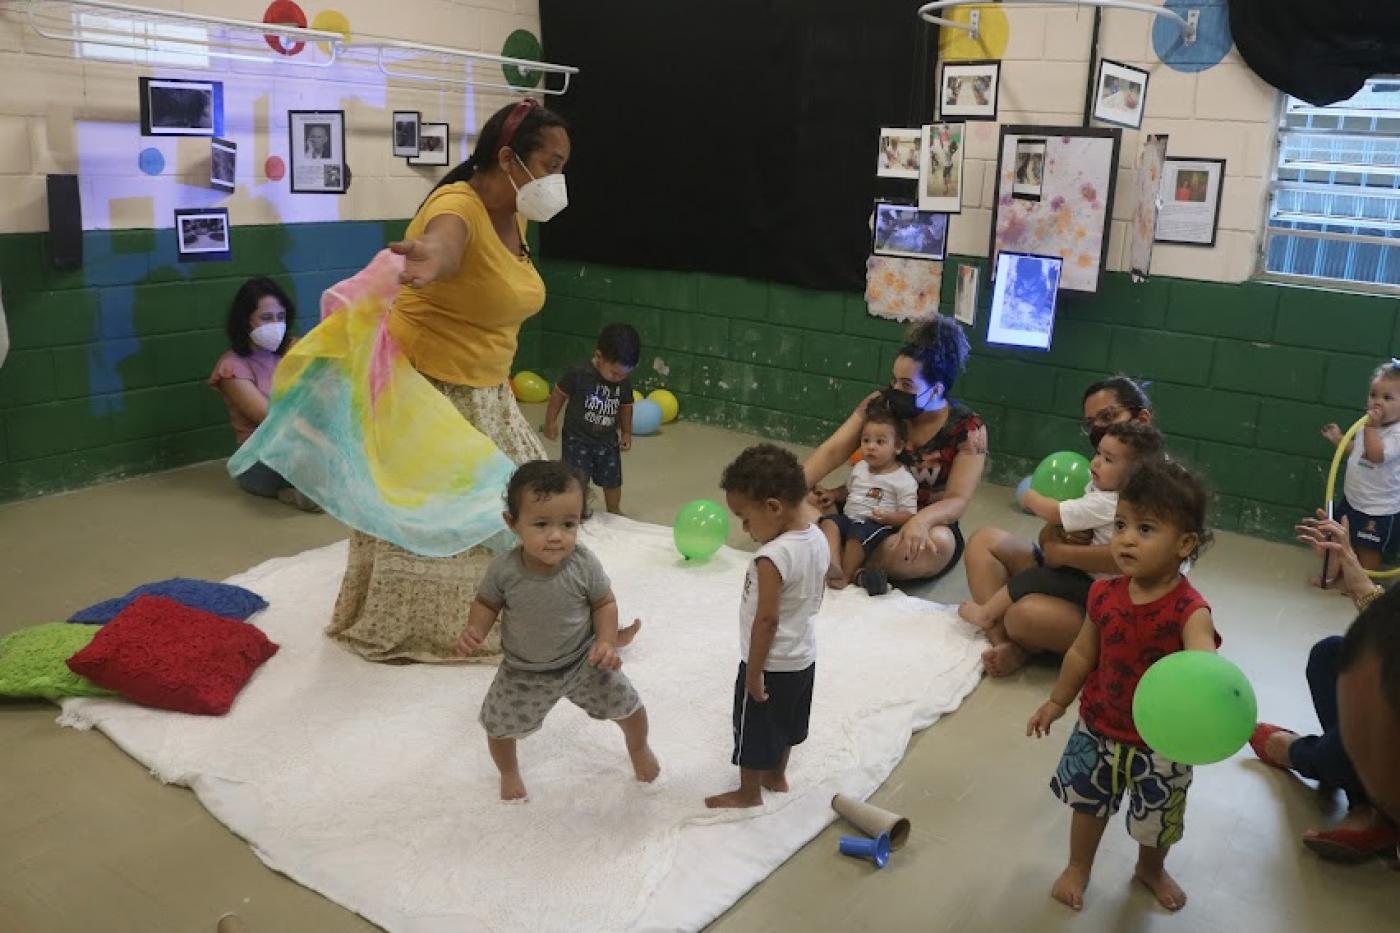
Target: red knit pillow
column 161, row 653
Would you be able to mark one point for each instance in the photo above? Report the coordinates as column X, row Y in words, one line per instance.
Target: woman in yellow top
column 468, row 285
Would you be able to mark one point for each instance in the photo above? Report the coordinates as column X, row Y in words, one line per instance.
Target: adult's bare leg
column 890, row 559
column 993, row 557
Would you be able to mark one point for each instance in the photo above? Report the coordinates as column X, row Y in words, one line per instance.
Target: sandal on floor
column 1353, row 845
column 1259, row 739
column 875, row 582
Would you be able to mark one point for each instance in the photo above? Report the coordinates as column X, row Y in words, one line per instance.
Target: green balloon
column 1061, row 476
column 700, row 529
column 1194, row 707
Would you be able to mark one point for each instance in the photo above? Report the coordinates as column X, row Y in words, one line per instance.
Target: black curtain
column 735, row 136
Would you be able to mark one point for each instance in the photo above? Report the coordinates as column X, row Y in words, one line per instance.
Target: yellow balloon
column 956, row 45
column 670, row 405
column 331, row 21
column 529, row 387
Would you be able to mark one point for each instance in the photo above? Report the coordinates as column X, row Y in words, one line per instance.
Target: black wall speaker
column 65, row 222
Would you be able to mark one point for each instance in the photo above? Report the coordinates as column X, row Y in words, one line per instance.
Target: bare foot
column 774, row 781
column 625, row 635
column 1169, row 893
column 1004, row 659
column 512, row 787
column 972, row 611
column 735, row 799
column 645, row 765
column 1069, row 888
column 835, row 578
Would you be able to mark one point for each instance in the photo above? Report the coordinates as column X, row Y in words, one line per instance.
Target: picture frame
column 1120, row 94
column 1077, row 194
column 965, row 297
column 902, row 229
column 179, row 107
column 223, row 163
column 969, row 90
column 1191, row 197
column 941, row 167
column 202, row 234
column 899, row 154
column 434, row 143
column 405, row 130
column 1023, row 303
column 316, row 144
column 1029, row 178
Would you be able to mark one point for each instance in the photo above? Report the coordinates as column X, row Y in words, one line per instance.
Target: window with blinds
column 1334, row 214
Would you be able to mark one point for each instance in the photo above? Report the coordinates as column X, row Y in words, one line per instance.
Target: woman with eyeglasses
column 1040, row 622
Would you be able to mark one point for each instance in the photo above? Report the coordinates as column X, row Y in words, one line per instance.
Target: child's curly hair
column 1144, row 440
column 766, row 471
column 1169, row 491
column 542, row 479
column 878, row 412
column 940, row 348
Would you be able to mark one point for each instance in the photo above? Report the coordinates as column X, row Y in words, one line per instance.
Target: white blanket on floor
column 370, row 783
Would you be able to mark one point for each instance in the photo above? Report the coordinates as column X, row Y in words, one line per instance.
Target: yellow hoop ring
column 1332, row 488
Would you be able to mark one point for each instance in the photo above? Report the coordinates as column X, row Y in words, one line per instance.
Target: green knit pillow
column 32, row 662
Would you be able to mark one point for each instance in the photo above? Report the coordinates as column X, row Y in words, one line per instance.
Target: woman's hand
column 1332, row 433
column 425, row 261
column 1043, row 718
column 913, row 538
column 1324, row 535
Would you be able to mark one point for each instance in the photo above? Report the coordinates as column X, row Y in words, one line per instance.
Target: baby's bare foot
column 972, row 611
column 1069, row 887
column 835, row 578
column 735, row 799
column 512, row 787
column 1169, row 893
column 1004, row 659
column 775, row 782
column 645, row 765
column 625, row 635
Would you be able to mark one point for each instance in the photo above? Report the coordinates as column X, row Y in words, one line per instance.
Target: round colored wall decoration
column 331, row 21
column 151, row 161
column 274, row 168
column 522, row 44
column 1213, row 37
column 957, row 45
column 284, row 13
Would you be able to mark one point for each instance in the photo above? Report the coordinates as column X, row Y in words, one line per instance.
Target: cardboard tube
column 229, row 923
column 872, row 820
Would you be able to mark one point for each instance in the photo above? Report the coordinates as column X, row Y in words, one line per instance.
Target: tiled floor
column 89, row 841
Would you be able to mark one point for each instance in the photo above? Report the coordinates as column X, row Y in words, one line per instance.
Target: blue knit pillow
column 230, row 602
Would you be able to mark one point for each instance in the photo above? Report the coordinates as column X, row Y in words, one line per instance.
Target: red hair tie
column 517, row 117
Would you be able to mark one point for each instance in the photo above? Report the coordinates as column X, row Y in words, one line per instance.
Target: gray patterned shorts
column 518, row 701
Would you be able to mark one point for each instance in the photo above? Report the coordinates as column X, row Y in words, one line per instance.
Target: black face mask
column 903, row 405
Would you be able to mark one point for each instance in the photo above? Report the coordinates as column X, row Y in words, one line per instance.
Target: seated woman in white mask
column 258, row 325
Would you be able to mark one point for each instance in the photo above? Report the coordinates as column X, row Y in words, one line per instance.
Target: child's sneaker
column 875, row 582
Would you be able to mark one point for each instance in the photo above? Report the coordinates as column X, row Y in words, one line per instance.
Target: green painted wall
column 107, row 367
column 1243, row 375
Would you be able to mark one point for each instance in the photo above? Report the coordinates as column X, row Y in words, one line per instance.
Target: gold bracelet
column 1367, row 598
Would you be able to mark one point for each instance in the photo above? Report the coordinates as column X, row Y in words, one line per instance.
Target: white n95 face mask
column 268, row 336
column 540, row 199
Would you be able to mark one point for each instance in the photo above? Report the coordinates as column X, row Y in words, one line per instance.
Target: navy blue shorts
column 1369, row 531
column 596, row 461
column 869, row 534
column 764, row 731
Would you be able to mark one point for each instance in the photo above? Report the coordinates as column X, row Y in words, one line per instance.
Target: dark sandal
column 875, row 582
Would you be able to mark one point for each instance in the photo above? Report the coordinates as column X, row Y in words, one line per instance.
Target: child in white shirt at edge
column 1371, row 490
column 880, row 495
column 783, row 591
column 1122, row 449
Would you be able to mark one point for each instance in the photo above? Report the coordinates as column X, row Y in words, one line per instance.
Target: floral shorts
column 1095, row 772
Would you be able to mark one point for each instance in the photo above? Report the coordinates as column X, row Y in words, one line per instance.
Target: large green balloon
column 701, row 528
column 1061, row 476
column 1194, row 707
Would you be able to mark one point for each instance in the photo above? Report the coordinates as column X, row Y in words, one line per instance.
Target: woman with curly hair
column 946, row 453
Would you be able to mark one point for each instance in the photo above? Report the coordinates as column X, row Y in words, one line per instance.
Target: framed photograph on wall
column 1023, row 302
column 1120, row 96
column 905, row 230
column 223, row 162
column 1030, row 169
column 965, row 298
column 433, row 141
column 899, row 154
column 406, row 124
column 1190, row 213
column 174, row 107
column 317, row 148
column 202, row 234
column 968, row 90
column 941, row 168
